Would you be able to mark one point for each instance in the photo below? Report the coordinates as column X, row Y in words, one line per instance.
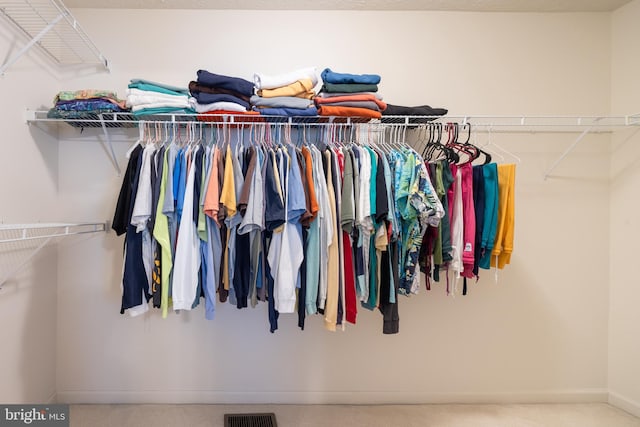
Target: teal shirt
column 157, row 87
column 490, row 173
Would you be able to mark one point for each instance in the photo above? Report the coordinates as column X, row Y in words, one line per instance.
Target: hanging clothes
column 308, row 228
column 476, row 231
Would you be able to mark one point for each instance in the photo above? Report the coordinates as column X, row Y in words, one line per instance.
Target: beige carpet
column 553, row 415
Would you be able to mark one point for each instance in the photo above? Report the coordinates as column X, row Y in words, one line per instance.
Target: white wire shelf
column 10, row 233
column 581, row 125
column 49, row 25
column 521, row 123
column 19, row 243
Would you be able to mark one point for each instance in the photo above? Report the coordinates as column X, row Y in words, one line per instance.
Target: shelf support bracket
column 108, row 145
column 31, row 43
column 569, row 149
column 18, row 267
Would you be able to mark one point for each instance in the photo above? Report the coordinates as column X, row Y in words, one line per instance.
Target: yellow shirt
column 503, row 246
column 161, row 233
column 228, row 199
column 301, row 89
column 228, row 193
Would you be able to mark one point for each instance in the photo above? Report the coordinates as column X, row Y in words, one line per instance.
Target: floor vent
column 250, row 420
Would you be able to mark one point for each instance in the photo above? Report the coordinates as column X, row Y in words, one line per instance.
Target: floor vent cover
column 250, row 420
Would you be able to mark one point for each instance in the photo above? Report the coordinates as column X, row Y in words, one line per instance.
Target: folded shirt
column 302, row 88
column 281, row 102
column 422, row 110
column 329, row 76
column 139, row 97
column 107, row 95
column 210, row 98
column 236, row 84
column 263, row 81
column 348, row 87
column 163, row 110
column 334, row 94
column 333, row 110
column 350, row 98
column 69, row 95
column 88, row 105
column 163, row 104
column 177, row 89
column 157, row 89
column 195, row 87
column 370, row 105
column 289, row 112
column 220, row 106
column 75, row 114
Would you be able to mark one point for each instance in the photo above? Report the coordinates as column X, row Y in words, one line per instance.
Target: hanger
column 444, row 151
column 424, row 136
column 480, row 151
column 138, row 141
column 211, row 141
column 158, row 135
column 495, row 153
column 179, row 136
column 286, row 129
column 471, row 150
column 173, row 134
column 149, row 137
column 491, row 143
column 453, row 134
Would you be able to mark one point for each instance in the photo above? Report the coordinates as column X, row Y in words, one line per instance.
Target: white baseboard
column 625, row 404
column 348, row 398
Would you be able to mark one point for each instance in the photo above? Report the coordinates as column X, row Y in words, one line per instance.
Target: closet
column 556, row 325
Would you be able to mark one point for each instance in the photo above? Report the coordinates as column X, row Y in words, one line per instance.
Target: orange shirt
column 313, row 201
column 334, row 110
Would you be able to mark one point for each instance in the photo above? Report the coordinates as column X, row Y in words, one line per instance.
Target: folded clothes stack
column 350, row 95
column 85, row 104
column 421, row 110
column 145, row 97
column 219, row 94
column 288, row 94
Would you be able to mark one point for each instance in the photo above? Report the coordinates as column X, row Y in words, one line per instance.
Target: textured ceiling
column 457, row 5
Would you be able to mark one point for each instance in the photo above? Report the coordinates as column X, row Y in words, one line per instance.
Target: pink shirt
column 469, row 220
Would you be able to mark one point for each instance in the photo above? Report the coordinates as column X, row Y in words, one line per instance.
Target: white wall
column 624, row 316
column 29, row 175
column 539, row 334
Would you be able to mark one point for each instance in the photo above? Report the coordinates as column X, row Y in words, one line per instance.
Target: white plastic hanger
column 490, row 143
column 139, row 140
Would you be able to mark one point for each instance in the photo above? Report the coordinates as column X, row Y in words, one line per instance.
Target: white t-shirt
column 187, row 259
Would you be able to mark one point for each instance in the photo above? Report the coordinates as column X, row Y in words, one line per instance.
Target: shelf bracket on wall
column 108, row 145
column 29, row 45
column 21, row 236
column 50, row 25
column 566, row 152
column 630, row 120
